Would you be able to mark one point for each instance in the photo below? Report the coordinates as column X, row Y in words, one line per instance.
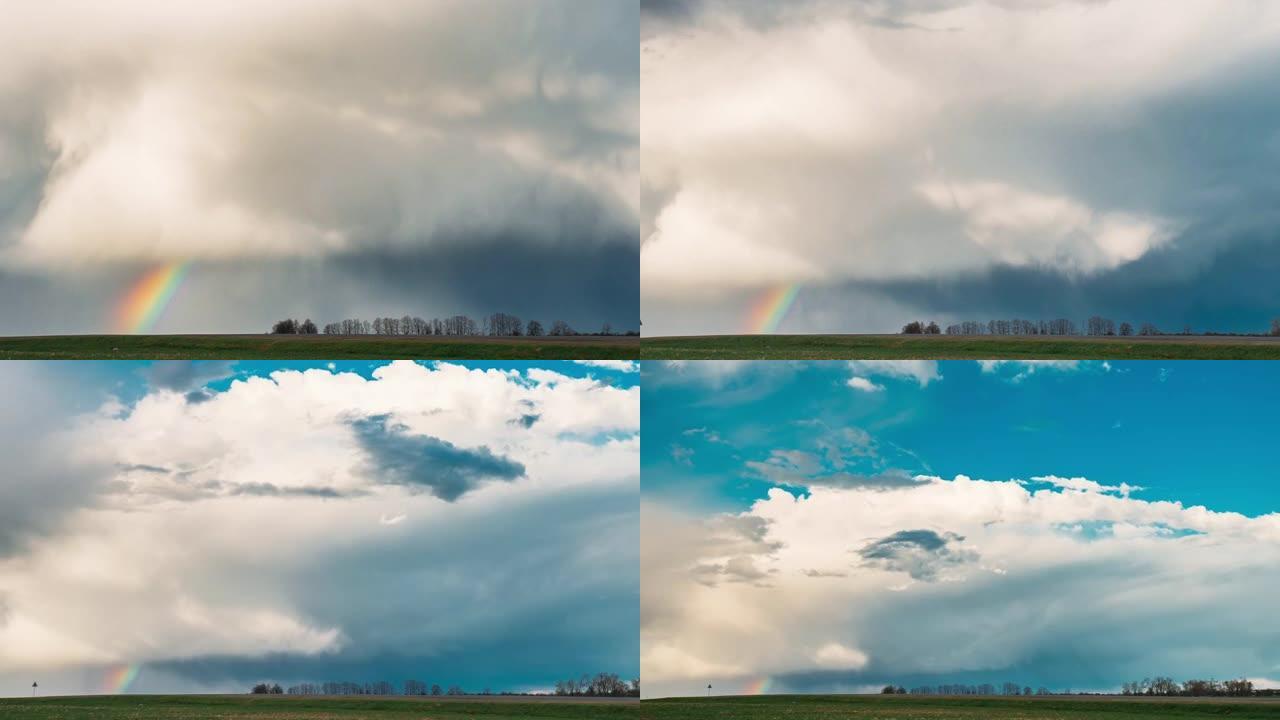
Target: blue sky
column 834, row 526
column 305, row 522
column 1191, row 431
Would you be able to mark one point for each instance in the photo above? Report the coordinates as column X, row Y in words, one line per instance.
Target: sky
column 319, row 159
column 203, row 526
column 958, row 160
column 833, row 527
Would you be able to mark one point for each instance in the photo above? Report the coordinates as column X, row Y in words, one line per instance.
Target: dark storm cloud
column 184, row 376
column 1082, row 646
column 548, row 610
column 585, row 285
column 428, row 464
column 42, row 483
column 919, row 553
column 1234, row 290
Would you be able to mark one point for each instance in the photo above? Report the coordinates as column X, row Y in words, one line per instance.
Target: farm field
column 945, row 347
column 258, row 707
column 829, row 707
column 313, row 347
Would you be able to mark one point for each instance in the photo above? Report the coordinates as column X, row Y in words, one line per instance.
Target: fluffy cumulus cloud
column 1108, row 150
column 314, row 525
column 307, row 135
column 936, row 579
column 922, row 372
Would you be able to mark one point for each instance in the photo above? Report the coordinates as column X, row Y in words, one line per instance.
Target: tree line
column 495, row 325
column 1096, row 326
column 1168, row 687
column 599, row 685
column 1156, row 687
column 1009, row 689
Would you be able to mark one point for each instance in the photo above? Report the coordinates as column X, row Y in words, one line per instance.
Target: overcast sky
column 959, row 159
column 217, row 524
column 833, row 527
column 328, row 158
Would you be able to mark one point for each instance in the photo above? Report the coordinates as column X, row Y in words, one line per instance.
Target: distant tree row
column 1009, row 688
column 1096, row 326
column 1157, row 686
column 602, row 685
column 495, row 325
column 1164, row 686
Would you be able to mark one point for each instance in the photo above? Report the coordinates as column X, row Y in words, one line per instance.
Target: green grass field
column 873, row 707
column 943, row 347
column 312, row 347
column 233, row 707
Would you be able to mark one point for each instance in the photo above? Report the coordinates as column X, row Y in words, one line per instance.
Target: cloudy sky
column 837, row 526
column 328, row 158
column 216, row 524
column 959, row 159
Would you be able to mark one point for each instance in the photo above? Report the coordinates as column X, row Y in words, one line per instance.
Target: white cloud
column 626, row 366
column 921, row 371
column 1085, row 485
column 1026, row 368
column 863, row 384
column 834, row 656
column 1023, row 228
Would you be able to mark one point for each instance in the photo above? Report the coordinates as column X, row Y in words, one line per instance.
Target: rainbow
column 758, row 687
column 769, row 311
column 146, row 300
column 118, row 679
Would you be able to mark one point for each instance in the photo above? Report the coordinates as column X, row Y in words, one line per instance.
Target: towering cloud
column 303, row 136
column 310, row 525
column 957, row 158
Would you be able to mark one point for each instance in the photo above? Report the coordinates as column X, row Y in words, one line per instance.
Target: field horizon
column 317, row 707
column 957, row 347
column 191, row 346
column 940, row 707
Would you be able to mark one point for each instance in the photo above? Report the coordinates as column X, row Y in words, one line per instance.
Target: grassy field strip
column 900, row 347
column 223, row 707
column 318, row 347
column 818, row 707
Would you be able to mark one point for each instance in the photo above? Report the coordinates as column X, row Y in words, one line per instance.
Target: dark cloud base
column 586, row 286
column 1234, row 290
column 563, row 611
